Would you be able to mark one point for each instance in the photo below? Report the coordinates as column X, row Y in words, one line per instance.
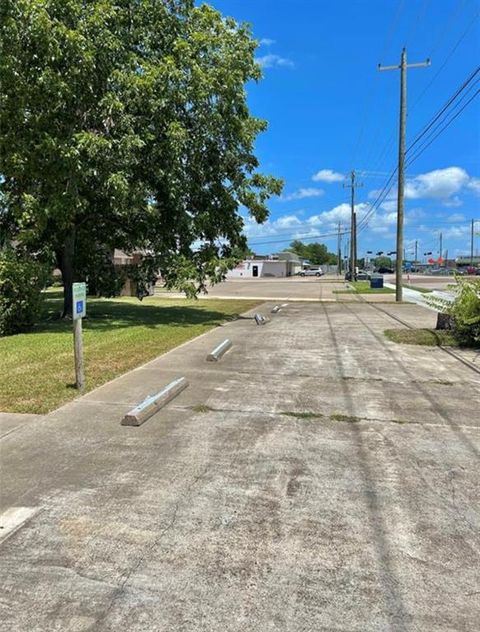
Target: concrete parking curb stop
column 14, row 518
column 260, row 319
column 218, row 352
column 153, row 403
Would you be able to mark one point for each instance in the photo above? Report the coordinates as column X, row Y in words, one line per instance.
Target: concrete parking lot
column 281, row 289
column 293, row 288
column 310, row 288
column 318, row 477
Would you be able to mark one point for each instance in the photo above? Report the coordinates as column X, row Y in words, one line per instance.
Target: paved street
column 310, row 288
column 318, row 477
column 293, row 288
column 290, row 288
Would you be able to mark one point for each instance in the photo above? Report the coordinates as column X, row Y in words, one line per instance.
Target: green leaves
column 126, row 123
column 21, row 282
column 464, row 310
column 315, row 253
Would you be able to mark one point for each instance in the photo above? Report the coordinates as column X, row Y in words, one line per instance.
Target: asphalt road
column 318, row 477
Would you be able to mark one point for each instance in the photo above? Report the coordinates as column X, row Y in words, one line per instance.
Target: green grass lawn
column 429, row 337
column 37, row 370
column 363, row 287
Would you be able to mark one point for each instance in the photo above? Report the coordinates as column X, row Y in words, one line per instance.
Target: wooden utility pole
column 339, row 249
column 353, row 226
column 471, row 244
column 401, row 163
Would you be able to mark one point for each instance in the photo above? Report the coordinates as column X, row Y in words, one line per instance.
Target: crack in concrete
column 119, row 591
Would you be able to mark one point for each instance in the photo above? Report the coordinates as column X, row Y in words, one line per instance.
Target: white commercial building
column 282, row 265
column 252, row 268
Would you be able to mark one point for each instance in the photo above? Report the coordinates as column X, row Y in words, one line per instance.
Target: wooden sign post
column 79, row 310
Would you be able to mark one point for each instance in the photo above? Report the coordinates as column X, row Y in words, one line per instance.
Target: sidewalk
column 318, row 477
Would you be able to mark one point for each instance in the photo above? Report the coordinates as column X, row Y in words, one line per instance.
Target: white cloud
column 266, row 41
column 288, row 221
column 474, row 185
column 340, row 213
column 439, row 184
column 456, row 232
column 453, row 202
column 328, row 175
column 442, row 185
column 378, row 228
column 456, row 217
column 308, row 192
column 279, row 226
column 389, row 205
column 274, row 61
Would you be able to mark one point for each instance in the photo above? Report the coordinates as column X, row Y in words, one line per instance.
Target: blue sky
column 331, row 111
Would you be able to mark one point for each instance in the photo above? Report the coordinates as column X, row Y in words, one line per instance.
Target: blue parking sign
column 79, row 292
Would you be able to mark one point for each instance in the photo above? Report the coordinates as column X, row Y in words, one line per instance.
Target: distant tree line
column 315, row 253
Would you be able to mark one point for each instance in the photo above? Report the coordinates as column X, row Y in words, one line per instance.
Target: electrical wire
column 447, row 59
column 444, row 108
column 420, row 15
column 451, row 103
column 296, row 236
column 373, row 94
column 424, row 147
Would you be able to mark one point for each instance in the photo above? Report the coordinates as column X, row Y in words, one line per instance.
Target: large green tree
column 124, row 124
column 316, row 253
column 383, row 262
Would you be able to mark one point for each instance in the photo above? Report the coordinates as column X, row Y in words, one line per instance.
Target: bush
column 464, row 311
column 21, row 283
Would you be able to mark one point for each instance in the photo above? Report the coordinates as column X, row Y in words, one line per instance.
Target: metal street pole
column 401, row 163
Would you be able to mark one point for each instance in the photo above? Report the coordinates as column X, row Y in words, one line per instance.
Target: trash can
column 376, row 282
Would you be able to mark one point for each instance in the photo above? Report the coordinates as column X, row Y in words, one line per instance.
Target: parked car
column 363, row 275
column 472, row 270
column 385, row 271
column 318, row 272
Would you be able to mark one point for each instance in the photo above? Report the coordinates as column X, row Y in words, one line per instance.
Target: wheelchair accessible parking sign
column 79, row 291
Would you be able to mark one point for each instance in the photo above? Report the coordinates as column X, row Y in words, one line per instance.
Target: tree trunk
column 65, row 262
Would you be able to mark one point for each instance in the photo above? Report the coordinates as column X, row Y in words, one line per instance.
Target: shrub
column 464, row 311
column 21, row 283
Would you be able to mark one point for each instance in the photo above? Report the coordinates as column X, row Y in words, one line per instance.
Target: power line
column 448, row 57
column 449, row 102
column 295, row 236
column 373, row 94
column 420, row 15
column 428, row 141
column 447, row 26
column 425, row 146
